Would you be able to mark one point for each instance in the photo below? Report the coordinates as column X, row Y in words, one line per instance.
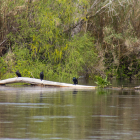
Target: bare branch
column 3, row 41
column 109, row 4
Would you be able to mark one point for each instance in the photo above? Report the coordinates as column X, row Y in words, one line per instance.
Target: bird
column 18, row 73
column 41, row 75
column 75, row 80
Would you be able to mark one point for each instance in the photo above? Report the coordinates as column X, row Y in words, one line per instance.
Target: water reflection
column 69, row 114
column 41, row 96
column 75, row 91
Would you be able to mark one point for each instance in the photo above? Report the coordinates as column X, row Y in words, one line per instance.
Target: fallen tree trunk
column 34, row 81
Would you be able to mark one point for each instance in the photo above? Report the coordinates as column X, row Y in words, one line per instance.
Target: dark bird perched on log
column 41, row 75
column 18, row 73
column 75, row 80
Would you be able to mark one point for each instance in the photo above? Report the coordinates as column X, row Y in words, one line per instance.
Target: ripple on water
column 51, row 117
column 104, row 116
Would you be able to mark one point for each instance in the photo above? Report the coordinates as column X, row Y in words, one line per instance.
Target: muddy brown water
column 37, row 113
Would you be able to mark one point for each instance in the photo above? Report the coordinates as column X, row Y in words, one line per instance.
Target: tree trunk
column 34, row 81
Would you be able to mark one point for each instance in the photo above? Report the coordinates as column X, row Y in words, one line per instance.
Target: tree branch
column 3, row 41
column 81, row 21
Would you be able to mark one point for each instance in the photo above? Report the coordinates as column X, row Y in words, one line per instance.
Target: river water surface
column 35, row 113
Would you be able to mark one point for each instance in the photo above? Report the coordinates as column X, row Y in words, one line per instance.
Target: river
column 37, row 113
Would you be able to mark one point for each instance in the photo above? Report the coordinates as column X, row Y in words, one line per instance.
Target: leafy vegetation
column 70, row 38
column 102, row 82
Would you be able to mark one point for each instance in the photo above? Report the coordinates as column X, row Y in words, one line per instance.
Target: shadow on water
column 55, row 113
column 103, row 91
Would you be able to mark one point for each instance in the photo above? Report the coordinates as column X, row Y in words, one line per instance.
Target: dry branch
column 76, row 27
column 3, row 41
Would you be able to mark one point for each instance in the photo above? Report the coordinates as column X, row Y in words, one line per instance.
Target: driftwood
column 34, row 81
column 137, row 88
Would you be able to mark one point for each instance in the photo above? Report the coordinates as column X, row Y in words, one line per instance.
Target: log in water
column 34, row 81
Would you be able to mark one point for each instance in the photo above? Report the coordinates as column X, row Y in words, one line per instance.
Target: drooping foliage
column 39, row 41
column 70, row 38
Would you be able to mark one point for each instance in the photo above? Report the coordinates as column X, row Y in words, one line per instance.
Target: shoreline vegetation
column 67, row 39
